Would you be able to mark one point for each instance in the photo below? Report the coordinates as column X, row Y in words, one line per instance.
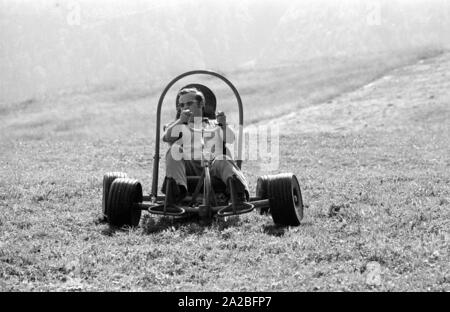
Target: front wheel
column 125, row 193
column 285, row 198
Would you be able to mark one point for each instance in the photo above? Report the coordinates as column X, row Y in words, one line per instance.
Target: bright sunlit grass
column 375, row 187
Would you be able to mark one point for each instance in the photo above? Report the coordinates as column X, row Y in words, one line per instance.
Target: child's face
column 188, row 101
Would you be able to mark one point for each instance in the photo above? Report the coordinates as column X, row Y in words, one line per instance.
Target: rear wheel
column 285, row 197
column 108, row 179
column 125, row 193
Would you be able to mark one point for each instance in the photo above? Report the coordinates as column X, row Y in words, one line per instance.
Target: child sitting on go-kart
column 179, row 134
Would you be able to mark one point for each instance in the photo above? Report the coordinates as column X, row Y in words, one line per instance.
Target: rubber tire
column 284, row 209
column 123, row 195
column 108, row 179
column 262, row 191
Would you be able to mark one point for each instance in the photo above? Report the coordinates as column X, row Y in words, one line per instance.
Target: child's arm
column 173, row 131
column 226, row 132
column 230, row 136
column 170, row 137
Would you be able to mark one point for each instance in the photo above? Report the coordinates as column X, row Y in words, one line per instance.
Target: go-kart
column 278, row 195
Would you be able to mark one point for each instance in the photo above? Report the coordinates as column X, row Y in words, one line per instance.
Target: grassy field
column 368, row 140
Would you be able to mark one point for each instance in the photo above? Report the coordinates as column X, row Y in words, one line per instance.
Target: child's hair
column 198, row 97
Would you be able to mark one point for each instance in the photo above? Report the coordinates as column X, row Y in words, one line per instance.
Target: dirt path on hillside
column 414, row 94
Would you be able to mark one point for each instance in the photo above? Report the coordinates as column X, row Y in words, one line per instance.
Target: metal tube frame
column 260, row 203
column 156, row 158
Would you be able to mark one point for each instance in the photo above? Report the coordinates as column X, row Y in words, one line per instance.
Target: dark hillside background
column 49, row 46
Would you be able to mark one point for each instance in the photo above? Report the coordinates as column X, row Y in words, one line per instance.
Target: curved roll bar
column 156, row 157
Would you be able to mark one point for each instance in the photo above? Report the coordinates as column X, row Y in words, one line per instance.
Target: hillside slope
column 415, row 96
column 373, row 166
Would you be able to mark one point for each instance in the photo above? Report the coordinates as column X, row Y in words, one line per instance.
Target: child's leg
column 176, row 169
column 225, row 168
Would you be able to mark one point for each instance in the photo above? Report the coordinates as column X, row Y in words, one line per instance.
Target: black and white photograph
column 224, row 151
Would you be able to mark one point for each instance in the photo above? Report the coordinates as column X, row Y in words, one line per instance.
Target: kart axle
column 256, row 204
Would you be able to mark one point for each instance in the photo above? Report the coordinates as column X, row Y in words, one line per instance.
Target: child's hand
column 185, row 115
column 221, row 118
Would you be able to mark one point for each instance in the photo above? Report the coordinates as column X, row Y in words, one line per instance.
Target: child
column 187, row 143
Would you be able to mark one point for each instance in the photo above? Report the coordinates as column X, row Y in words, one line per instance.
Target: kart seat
column 210, row 100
